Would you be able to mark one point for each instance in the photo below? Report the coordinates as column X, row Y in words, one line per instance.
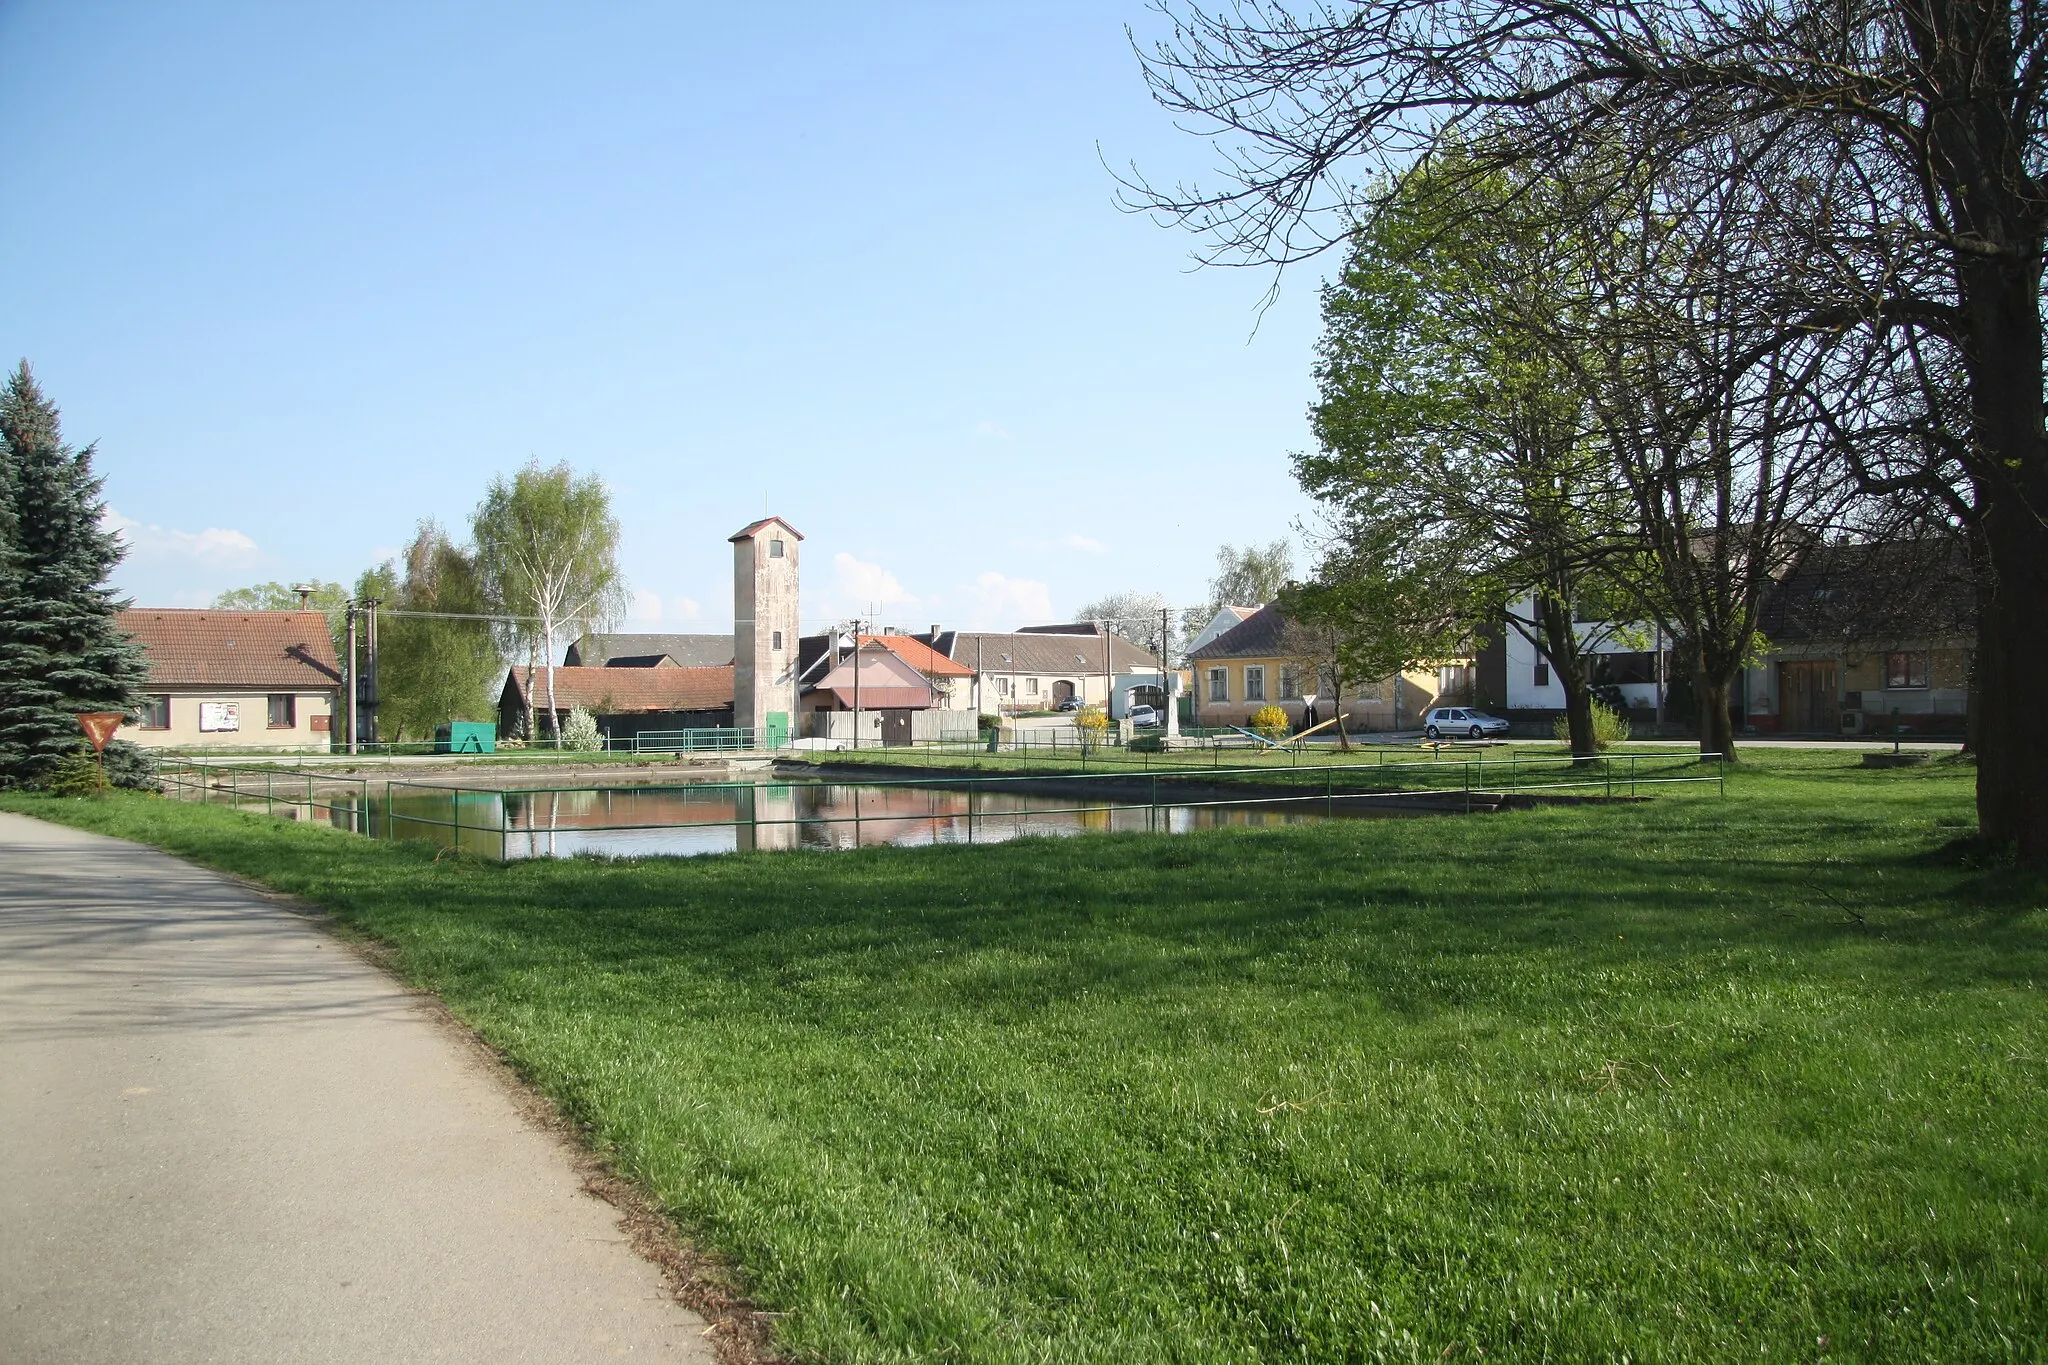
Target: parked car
column 1462, row 720
column 1146, row 717
column 1070, row 704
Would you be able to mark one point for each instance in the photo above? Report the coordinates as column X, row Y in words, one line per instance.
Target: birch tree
column 547, row 551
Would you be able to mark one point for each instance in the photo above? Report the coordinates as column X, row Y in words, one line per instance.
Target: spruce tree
column 61, row 651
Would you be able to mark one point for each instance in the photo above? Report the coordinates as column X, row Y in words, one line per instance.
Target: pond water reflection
column 723, row 818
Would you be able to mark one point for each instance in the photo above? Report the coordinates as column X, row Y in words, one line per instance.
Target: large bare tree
column 1933, row 110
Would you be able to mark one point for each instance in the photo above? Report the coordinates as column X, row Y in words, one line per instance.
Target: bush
column 579, row 731
column 1271, row 722
column 1092, row 724
column 75, row 775
column 1148, row 744
column 1610, row 727
column 985, row 721
column 132, row 768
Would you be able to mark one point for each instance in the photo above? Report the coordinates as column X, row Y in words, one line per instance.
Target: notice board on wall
column 216, row 716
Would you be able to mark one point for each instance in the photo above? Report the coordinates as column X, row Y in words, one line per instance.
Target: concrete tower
column 764, row 628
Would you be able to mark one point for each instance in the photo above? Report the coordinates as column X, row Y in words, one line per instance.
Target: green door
column 777, row 733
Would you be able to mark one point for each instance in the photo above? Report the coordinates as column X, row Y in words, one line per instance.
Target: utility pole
column 856, row 682
column 352, row 675
column 370, row 672
column 977, row 680
column 1108, row 686
column 1172, row 707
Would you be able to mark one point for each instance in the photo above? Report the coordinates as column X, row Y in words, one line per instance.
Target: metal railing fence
column 728, row 740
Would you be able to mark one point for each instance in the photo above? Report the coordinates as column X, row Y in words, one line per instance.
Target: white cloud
column 215, row 546
column 649, row 607
column 1072, row 540
column 858, row 586
column 1001, row 602
column 990, row 431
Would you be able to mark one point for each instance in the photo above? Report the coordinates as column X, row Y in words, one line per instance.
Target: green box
column 466, row 737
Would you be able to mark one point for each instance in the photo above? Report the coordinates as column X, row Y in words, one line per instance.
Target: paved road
column 224, row 1137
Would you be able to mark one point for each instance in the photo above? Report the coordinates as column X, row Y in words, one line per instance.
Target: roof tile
column 249, row 649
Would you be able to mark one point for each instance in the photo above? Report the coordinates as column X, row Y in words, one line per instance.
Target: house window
column 775, row 549
column 778, row 641
column 1290, row 688
column 1904, row 670
column 1002, row 687
column 1031, row 687
column 284, row 712
column 1543, row 675
column 1255, row 682
column 154, row 713
column 1219, row 684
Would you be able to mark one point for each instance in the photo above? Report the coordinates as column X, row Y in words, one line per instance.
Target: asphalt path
column 224, row 1136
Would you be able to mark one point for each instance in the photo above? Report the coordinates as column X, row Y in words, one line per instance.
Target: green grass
column 1695, row 1080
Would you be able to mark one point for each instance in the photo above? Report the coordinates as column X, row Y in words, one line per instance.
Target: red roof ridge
column 745, row 531
column 909, row 649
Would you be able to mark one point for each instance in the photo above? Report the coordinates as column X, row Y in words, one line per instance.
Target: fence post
column 1329, row 793
column 1607, row 766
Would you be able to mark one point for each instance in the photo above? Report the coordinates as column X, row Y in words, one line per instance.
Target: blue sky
column 309, row 274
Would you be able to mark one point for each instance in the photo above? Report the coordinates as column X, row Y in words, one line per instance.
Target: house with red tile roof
column 234, row 679
column 626, row 700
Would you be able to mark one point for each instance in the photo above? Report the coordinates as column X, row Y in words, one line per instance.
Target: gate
column 1806, row 697
column 895, row 727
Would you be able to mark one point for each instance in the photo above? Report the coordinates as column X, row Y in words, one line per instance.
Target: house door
column 776, row 733
column 1062, row 691
column 1806, row 697
column 895, row 727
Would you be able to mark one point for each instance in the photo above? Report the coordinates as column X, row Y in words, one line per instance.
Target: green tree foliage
column 1369, row 614
column 60, row 649
column 1449, row 431
column 329, row 599
column 547, row 550
column 1248, row 577
column 433, row 669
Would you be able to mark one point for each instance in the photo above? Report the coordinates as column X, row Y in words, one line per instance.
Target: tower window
column 775, row 549
column 778, row 640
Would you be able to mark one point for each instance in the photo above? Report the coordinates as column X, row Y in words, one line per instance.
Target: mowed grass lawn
column 1697, row 1080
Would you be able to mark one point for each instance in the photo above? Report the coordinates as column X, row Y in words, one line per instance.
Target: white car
column 1146, row 717
column 1462, row 720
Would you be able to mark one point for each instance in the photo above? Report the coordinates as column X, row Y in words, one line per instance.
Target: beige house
column 1039, row 669
column 1251, row 665
column 234, row 679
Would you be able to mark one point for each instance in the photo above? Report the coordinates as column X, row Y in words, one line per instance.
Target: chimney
column 935, row 632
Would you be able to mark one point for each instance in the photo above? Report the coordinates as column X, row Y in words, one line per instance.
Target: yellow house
column 1251, row 665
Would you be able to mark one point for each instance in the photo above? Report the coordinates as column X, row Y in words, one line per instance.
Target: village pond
column 688, row 821
column 849, row 809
